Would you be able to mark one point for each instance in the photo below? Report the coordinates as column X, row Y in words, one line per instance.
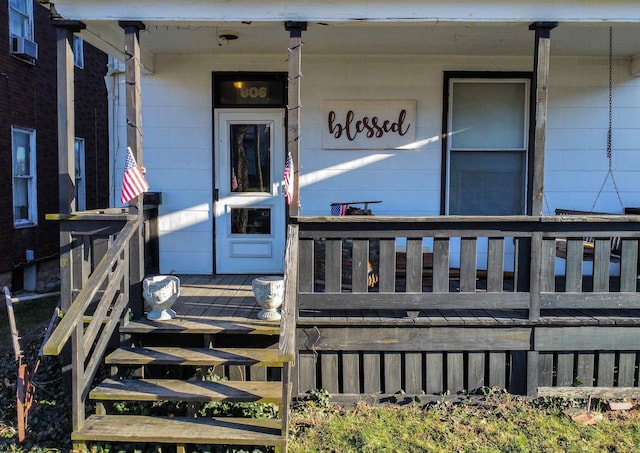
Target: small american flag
column 339, row 209
column 288, row 179
column 133, row 181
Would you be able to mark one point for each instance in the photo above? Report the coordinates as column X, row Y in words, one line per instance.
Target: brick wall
column 28, row 99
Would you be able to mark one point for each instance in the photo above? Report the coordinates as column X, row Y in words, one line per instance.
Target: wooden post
column 538, row 117
column 66, row 195
column 535, row 279
column 134, row 141
column 66, row 137
column 295, row 30
column 535, row 188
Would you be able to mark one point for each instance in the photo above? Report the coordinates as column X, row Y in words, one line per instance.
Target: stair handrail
column 287, row 346
column 74, row 316
column 289, row 311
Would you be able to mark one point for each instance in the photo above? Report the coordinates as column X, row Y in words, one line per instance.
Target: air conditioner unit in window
column 23, row 47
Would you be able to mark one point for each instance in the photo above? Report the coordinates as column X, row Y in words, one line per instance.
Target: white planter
column 269, row 293
column 160, row 292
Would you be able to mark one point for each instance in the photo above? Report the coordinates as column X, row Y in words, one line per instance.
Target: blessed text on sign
column 386, row 124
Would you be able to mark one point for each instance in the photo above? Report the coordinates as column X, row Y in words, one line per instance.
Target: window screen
column 487, row 146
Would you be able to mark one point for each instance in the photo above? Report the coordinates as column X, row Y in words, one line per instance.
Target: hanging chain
column 546, row 203
column 609, row 132
column 610, row 96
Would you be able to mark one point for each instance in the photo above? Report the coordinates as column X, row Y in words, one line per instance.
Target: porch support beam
column 535, row 187
column 295, row 30
column 538, row 117
column 134, row 141
column 66, row 195
column 66, row 137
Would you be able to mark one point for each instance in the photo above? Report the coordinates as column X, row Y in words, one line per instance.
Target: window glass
column 19, row 5
column 250, row 156
column 20, row 19
column 250, row 221
column 81, row 202
column 78, row 52
column 487, row 146
column 249, row 90
column 486, row 183
column 24, row 181
column 488, row 115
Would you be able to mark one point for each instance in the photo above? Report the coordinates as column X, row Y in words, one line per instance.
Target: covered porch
column 376, row 351
column 493, row 305
column 376, row 354
column 418, row 299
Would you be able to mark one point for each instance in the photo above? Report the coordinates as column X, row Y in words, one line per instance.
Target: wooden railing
column 465, row 263
column 287, row 341
column 100, row 295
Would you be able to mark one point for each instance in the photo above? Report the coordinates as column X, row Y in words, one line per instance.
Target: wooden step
column 191, row 391
column 197, row 325
column 197, row 356
column 178, row 430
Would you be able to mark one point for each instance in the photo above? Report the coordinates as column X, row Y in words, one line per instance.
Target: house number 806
column 253, row 92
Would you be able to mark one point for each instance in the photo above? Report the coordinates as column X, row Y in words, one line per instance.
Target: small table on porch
column 343, row 207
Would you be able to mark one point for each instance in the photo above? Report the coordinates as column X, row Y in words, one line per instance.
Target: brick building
column 29, row 244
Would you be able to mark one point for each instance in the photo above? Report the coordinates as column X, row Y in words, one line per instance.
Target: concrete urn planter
column 160, row 292
column 269, row 293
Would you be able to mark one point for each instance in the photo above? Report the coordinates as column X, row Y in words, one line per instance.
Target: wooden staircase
column 160, row 346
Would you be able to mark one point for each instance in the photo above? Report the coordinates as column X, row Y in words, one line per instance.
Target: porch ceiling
column 349, row 38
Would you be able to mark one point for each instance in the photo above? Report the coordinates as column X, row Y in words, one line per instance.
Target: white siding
column 575, row 160
column 178, row 138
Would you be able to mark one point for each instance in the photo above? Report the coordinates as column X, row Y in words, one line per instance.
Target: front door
column 249, row 205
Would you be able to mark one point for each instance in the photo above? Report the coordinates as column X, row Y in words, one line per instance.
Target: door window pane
column 249, row 89
column 250, row 157
column 250, row 221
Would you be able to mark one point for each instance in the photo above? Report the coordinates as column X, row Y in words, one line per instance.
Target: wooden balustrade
column 465, row 263
column 100, row 294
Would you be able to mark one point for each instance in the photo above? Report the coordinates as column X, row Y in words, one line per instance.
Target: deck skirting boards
column 384, row 360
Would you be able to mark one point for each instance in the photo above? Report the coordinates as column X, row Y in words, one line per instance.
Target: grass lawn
column 32, row 317
column 496, row 423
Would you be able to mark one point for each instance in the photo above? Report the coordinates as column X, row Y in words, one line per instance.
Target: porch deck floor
column 220, row 297
column 228, row 299
column 209, row 305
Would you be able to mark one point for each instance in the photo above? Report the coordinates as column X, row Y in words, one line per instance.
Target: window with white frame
column 487, row 138
column 81, row 191
column 21, row 18
column 25, row 204
column 78, row 52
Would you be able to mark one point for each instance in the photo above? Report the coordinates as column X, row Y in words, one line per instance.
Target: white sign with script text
column 379, row 124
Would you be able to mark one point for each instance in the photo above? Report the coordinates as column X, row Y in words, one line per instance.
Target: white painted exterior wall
column 177, row 138
column 575, row 162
